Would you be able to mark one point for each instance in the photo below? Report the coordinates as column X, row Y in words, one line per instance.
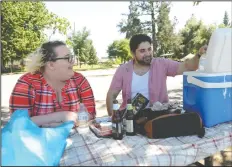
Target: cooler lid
column 202, row 74
column 195, row 81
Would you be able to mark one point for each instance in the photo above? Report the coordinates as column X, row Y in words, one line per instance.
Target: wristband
column 199, row 56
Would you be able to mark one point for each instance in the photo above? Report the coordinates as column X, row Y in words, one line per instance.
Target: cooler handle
column 202, row 84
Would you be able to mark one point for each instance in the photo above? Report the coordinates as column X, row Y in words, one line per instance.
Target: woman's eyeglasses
column 70, row 58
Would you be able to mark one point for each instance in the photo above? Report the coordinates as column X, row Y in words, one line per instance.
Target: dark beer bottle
column 117, row 131
column 130, row 130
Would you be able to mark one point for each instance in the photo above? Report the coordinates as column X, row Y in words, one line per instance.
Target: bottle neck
column 82, row 107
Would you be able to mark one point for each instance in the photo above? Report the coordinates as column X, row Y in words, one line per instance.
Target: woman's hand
column 70, row 116
column 57, row 118
column 64, row 117
column 54, row 119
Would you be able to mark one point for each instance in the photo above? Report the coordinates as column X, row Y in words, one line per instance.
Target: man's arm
column 188, row 65
column 191, row 64
column 111, row 96
column 114, row 90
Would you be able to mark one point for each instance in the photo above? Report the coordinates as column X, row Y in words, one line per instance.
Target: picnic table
column 84, row 148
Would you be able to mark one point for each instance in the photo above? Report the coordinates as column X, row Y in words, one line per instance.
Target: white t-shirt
column 140, row 85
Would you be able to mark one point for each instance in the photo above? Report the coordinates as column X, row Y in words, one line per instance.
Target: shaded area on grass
column 175, row 95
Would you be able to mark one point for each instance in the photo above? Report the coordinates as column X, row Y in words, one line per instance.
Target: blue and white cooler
column 209, row 94
column 208, row 91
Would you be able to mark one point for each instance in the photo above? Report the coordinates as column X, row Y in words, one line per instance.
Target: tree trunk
column 11, row 66
column 153, row 30
column 3, row 68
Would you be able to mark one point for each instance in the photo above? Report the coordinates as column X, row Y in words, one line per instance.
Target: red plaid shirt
column 32, row 92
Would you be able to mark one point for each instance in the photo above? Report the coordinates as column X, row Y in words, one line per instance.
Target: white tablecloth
column 84, row 148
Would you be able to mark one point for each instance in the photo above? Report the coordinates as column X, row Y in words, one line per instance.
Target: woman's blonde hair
column 36, row 61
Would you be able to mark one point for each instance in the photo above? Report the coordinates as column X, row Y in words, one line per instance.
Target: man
column 52, row 91
column 145, row 74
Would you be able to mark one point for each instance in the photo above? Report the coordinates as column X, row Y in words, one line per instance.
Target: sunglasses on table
column 69, row 57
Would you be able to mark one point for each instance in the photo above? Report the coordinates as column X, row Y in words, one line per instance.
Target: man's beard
column 145, row 61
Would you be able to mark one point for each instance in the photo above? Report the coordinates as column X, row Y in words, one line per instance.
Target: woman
column 51, row 91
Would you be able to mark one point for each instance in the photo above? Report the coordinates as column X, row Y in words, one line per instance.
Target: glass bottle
column 117, row 128
column 130, row 130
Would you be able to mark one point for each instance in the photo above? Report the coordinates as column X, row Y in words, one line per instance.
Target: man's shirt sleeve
column 171, row 67
column 116, row 83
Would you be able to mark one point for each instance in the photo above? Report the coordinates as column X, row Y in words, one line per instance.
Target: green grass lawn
column 75, row 68
column 88, row 67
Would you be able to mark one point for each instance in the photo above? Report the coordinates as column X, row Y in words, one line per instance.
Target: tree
column 92, row 56
column 120, row 49
column 113, row 49
column 124, row 50
column 79, row 42
column 195, row 3
column 151, row 9
column 189, row 32
column 132, row 25
column 178, row 46
column 165, row 34
column 22, row 28
column 226, row 20
column 160, row 26
column 194, row 35
column 83, row 47
column 58, row 24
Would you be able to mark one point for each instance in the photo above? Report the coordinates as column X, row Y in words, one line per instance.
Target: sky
column 101, row 18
